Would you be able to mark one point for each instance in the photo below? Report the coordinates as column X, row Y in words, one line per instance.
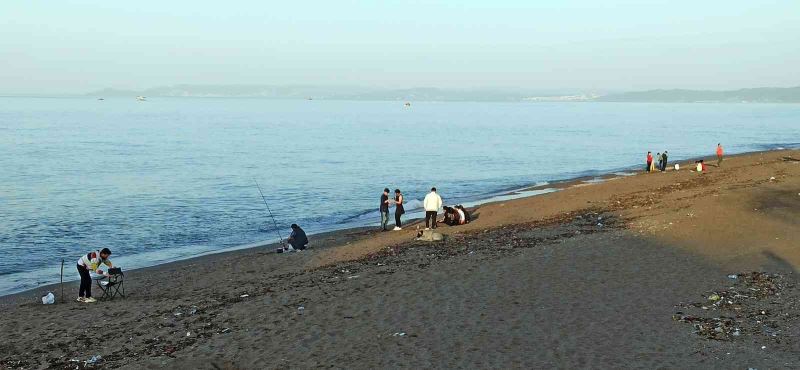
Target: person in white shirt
column 432, row 204
column 91, row 262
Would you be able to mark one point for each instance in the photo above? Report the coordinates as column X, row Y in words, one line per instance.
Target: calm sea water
column 172, row 178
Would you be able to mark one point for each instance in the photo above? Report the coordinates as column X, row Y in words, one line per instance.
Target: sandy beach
column 645, row 271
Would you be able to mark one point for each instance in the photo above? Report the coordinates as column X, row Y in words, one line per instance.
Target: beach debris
column 244, row 296
column 399, row 334
column 226, row 330
column 188, row 334
column 178, row 313
column 94, row 360
column 745, row 309
column 301, row 310
column 49, row 298
column 772, row 178
column 353, row 277
column 193, row 310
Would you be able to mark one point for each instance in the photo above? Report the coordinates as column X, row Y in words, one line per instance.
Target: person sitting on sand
column 701, row 166
column 91, row 263
column 467, row 216
column 462, row 218
column 449, row 215
column 297, row 239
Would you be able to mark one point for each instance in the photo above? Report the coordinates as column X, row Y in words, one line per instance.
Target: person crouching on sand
column 432, row 203
column 297, row 239
column 91, row 263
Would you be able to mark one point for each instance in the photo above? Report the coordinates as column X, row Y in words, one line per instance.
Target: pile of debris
column 755, row 305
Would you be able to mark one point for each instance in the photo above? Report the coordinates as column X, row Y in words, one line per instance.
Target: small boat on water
column 100, row 99
column 141, row 98
column 407, row 104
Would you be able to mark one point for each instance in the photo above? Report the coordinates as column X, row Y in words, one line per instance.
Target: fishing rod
column 277, row 230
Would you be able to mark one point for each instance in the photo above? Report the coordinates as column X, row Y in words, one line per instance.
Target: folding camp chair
column 113, row 285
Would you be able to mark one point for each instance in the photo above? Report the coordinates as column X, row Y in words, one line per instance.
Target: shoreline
column 347, row 234
column 607, row 273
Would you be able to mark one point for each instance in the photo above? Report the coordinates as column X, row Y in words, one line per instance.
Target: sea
column 172, row 178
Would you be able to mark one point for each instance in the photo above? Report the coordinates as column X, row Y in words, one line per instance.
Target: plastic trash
column 677, row 167
column 95, row 359
column 300, row 310
column 733, row 276
column 49, row 298
column 714, row 297
column 244, row 296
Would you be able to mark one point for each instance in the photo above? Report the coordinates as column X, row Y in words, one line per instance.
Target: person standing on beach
column 432, row 204
column 658, row 157
column 384, row 208
column 91, row 263
column 649, row 161
column 664, row 161
column 719, row 154
column 399, row 210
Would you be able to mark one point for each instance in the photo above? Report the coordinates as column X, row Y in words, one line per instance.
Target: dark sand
column 586, row 277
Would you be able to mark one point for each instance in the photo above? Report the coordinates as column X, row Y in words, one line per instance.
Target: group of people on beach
column 455, row 215
column 651, row 165
column 662, row 162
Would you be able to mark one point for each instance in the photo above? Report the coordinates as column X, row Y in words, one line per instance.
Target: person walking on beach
column 719, row 154
column 91, row 262
column 399, row 210
column 384, row 208
column 649, row 162
column 664, row 161
column 432, row 204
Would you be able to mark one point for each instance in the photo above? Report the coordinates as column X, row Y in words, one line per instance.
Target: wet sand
column 589, row 276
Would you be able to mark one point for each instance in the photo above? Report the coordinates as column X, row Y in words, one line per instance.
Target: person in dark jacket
column 399, row 210
column 384, row 208
column 298, row 239
column 664, row 161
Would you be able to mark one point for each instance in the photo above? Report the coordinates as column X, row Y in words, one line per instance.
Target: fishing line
column 277, row 230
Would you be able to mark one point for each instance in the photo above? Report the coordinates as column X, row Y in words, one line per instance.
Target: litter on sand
column 244, row 296
column 49, row 298
column 399, row 334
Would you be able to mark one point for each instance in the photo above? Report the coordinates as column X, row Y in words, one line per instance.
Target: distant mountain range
column 754, row 95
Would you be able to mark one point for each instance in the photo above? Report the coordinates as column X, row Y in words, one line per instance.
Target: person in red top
column 649, row 161
column 719, row 154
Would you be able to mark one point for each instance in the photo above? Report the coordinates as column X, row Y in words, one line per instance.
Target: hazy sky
column 77, row 46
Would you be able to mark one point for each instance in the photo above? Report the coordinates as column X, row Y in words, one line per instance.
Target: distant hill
column 756, row 95
column 332, row 93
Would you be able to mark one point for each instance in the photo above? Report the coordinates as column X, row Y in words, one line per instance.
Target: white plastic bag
column 49, row 298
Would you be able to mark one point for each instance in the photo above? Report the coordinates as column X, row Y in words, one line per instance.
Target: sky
column 71, row 46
